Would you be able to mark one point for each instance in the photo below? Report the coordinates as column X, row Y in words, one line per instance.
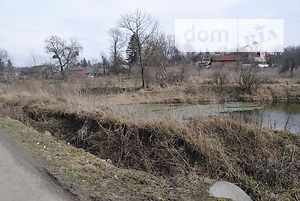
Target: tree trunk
column 291, row 71
column 143, row 77
column 63, row 73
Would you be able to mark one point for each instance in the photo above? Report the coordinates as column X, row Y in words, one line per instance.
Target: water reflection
column 276, row 116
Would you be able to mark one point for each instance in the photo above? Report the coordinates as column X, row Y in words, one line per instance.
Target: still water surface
column 275, row 116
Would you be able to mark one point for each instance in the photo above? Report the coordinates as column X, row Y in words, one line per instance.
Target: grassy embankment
column 157, row 155
column 92, row 178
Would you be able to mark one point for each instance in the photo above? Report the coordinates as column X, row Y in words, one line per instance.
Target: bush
column 248, row 80
column 219, row 79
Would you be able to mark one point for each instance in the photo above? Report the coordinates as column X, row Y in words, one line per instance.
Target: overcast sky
column 24, row 24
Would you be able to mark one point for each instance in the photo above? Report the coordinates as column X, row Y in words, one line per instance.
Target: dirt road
column 22, row 180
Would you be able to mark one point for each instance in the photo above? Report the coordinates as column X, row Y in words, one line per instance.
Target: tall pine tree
column 83, row 62
column 9, row 66
column 132, row 51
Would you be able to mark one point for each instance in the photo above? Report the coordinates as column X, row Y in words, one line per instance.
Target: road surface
column 22, row 180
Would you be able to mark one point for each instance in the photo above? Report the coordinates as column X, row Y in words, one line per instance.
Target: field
column 101, row 154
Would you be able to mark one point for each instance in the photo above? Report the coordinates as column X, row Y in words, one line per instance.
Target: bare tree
column 173, row 54
column 3, row 55
column 64, row 52
column 155, row 56
column 38, row 60
column 117, row 41
column 248, row 79
column 3, row 60
column 105, row 64
column 291, row 59
column 33, row 61
column 144, row 28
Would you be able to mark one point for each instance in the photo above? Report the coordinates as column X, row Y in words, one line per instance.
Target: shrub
column 248, row 80
column 219, row 79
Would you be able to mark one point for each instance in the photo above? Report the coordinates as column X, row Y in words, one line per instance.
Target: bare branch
column 64, row 52
column 144, row 28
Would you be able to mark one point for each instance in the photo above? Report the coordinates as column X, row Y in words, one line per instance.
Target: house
column 225, row 60
column 260, row 57
column 77, row 72
column 90, row 72
column 38, row 72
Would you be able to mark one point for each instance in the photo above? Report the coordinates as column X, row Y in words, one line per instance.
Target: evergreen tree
column 9, row 65
column 89, row 64
column 132, row 50
column 84, row 64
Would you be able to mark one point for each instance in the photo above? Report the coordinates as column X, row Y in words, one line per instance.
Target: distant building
column 38, row 72
column 77, row 72
column 225, row 61
column 260, row 57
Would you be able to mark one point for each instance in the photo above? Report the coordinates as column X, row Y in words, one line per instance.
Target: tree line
column 137, row 41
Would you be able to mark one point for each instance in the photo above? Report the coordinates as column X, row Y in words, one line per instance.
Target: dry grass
column 89, row 94
column 264, row 163
column 91, row 178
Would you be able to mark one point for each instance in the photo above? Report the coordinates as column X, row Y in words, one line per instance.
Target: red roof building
column 226, row 58
column 227, row 61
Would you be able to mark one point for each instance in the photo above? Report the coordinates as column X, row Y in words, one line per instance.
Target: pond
column 275, row 116
column 278, row 116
